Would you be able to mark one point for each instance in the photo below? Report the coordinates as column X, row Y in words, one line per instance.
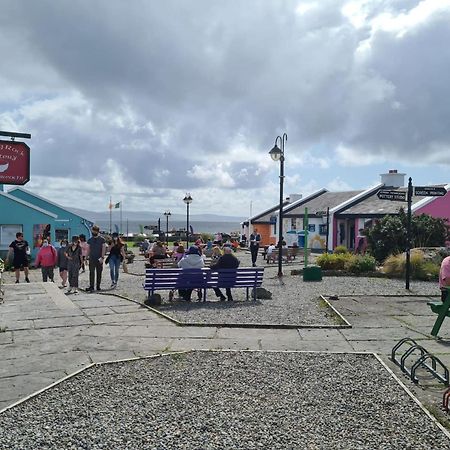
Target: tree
column 388, row 236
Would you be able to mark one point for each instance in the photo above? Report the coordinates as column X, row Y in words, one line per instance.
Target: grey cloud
column 205, row 73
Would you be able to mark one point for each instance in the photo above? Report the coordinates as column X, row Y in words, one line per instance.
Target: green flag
column 141, row 228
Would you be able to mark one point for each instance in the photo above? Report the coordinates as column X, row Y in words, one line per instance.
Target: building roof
column 265, row 215
column 27, row 204
column 18, row 188
column 372, row 206
column 320, row 203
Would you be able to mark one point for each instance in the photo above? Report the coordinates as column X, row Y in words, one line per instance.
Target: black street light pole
column 167, row 214
column 277, row 154
column 188, row 200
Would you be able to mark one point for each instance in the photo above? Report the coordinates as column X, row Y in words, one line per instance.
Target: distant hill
column 151, row 216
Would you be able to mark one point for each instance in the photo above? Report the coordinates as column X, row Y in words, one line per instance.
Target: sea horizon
column 134, row 226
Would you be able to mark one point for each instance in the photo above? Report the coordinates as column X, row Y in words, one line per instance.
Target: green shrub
column 340, row 250
column 361, row 263
column 329, row 261
column 395, row 266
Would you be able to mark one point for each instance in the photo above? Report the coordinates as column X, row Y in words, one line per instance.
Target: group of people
column 194, row 258
column 70, row 259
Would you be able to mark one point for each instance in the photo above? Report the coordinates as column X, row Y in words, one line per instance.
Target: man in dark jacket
column 226, row 261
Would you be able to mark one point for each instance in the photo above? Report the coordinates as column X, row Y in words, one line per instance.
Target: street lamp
column 188, row 200
column 167, row 214
column 277, row 154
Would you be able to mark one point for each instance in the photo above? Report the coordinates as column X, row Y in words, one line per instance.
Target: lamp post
column 167, row 214
column 277, row 154
column 188, row 200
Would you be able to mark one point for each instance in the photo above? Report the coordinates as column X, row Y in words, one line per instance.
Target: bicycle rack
column 420, row 362
column 412, row 343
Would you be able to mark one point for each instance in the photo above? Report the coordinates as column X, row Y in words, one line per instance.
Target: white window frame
column 7, row 237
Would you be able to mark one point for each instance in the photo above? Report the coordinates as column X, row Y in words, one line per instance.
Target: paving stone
column 237, row 333
column 169, row 331
column 43, row 363
column 62, row 322
column 131, row 317
column 379, row 334
column 320, row 334
column 100, row 311
column 383, row 347
column 12, row 325
column 211, row 344
column 6, row 337
column 99, row 356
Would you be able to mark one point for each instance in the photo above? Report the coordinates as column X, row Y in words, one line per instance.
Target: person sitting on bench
column 444, row 277
column 226, row 261
column 191, row 260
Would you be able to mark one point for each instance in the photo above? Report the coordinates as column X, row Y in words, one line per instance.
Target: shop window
column 61, row 233
column 323, row 229
column 8, row 233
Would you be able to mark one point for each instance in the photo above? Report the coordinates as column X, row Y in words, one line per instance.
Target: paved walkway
column 47, row 335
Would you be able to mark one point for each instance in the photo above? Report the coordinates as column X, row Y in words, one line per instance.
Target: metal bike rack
column 421, row 361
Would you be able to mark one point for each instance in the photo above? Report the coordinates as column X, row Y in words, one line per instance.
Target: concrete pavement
column 46, row 334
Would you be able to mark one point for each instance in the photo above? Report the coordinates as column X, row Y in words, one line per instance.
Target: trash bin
column 312, row 273
column 301, row 239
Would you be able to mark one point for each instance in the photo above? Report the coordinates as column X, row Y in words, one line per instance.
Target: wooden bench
column 171, row 279
column 442, row 310
column 289, row 254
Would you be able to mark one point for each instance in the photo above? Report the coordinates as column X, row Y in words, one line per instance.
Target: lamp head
column 276, row 153
column 187, row 198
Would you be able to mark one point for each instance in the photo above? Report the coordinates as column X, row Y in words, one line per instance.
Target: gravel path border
column 227, row 399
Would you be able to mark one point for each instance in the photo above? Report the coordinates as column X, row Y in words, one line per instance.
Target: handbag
column 125, row 267
column 107, row 259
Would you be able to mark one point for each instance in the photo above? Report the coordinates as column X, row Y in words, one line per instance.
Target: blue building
column 22, row 210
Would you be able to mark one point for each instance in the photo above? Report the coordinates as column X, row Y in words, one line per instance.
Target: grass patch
column 438, row 415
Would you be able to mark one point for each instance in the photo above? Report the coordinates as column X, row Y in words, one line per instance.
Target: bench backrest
column 164, row 279
column 244, row 277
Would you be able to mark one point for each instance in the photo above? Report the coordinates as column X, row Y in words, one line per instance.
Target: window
column 61, row 233
column 8, row 234
column 323, row 229
column 293, row 224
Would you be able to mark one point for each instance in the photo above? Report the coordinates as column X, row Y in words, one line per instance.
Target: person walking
column 96, row 255
column 73, row 255
column 62, row 261
column 84, row 252
column 226, row 261
column 255, row 239
column 18, row 251
column 46, row 259
column 115, row 257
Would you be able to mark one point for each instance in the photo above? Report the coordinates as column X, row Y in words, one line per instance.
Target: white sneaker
column 75, row 291
column 69, row 291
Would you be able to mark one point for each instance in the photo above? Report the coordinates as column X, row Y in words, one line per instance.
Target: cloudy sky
column 145, row 100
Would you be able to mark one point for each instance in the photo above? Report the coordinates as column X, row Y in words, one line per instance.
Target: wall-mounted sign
column 14, row 163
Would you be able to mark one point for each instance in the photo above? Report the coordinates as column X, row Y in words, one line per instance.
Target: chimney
column 393, row 179
column 293, row 198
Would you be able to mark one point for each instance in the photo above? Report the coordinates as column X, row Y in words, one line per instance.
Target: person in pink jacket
column 46, row 259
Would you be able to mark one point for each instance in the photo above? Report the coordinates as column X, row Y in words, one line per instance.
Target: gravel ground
column 294, row 302
column 225, row 400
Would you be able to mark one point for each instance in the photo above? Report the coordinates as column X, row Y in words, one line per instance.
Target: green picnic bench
column 442, row 310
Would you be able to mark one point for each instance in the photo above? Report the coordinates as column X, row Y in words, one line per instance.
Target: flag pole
column 121, row 216
column 110, row 215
